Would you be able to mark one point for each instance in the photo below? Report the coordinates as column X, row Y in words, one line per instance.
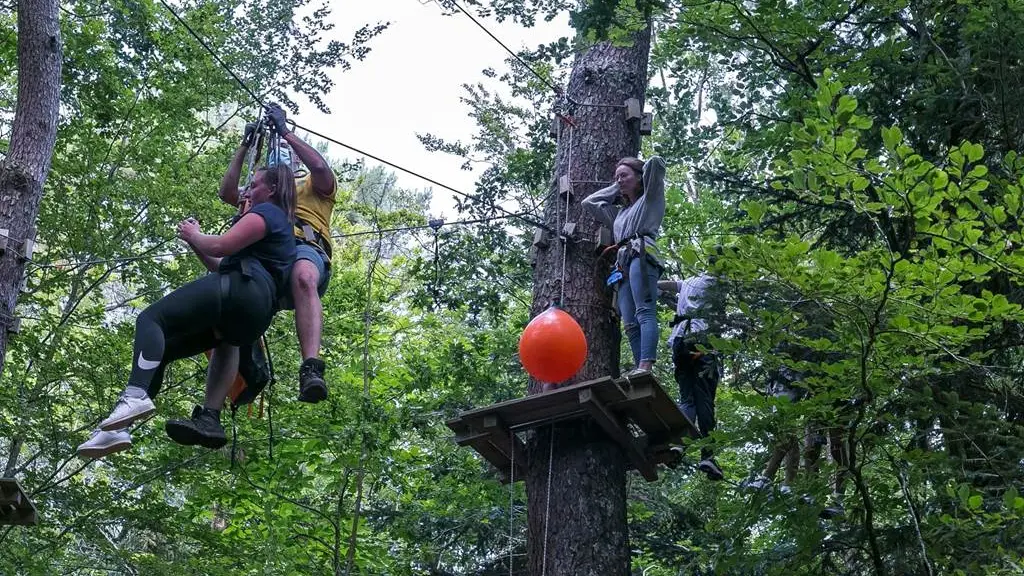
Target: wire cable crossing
column 78, row 263
column 256, row 98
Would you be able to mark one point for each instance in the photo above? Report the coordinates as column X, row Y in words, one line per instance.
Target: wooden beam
column 503, row 439
column 15, row 506
column 618, row 433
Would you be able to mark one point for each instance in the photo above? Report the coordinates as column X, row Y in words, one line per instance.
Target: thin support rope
column 511, row 499
column 547, row 502
column 436, row 289
column 562, row 236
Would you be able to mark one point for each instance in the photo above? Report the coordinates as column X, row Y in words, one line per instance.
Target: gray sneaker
column 709, row 467
column 103, row 443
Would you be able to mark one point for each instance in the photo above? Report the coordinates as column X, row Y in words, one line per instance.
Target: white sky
column 411, row 82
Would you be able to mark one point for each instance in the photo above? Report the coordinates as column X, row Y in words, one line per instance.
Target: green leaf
column 892, row 137
column 1010, row 498
column 974, row 152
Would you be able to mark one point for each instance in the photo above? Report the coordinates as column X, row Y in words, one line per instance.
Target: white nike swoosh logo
column 147, row 364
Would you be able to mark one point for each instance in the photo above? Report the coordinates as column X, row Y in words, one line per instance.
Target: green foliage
column 852, row 165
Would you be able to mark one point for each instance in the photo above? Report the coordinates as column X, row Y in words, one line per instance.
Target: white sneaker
column 759, row 483
column 102, row 443
column 126, row 411
column 636, row 372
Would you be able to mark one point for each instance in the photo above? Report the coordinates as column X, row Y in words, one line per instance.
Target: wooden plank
column 20, row 518
column 637, row 406
column 617, row 432
column 518, row 409
column 532, row 411
column 616, row 405
column 670, row 413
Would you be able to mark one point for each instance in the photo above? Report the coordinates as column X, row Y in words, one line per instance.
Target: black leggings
column 697, row 375
column 217, row 308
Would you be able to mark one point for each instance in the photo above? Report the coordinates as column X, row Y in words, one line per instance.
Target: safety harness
column 639, row 246
column 311, row 236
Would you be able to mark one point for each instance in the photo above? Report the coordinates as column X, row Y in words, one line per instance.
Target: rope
column 547, row 502
column 437, row 274
column 565, row 239
column 511, row 496
column 269, row 395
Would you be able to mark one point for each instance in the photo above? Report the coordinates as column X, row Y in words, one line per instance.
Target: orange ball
column 553, row 346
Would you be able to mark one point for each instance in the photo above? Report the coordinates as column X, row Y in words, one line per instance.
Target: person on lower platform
column 221, row 311
column 697, row 368
column 820, row 433
column 782, row 385
column 640, row 188
column 316, row 192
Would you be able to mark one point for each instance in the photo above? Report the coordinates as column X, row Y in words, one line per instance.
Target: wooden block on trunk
column 15, row 506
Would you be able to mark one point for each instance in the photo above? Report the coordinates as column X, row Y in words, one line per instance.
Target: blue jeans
column 637, row 299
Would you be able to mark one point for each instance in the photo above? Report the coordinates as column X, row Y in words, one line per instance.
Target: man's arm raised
column 319, row 171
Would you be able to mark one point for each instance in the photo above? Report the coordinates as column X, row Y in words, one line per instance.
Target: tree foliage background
column 856, row 161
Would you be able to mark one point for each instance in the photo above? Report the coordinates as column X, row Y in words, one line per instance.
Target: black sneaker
column 312, row 387
column 710, row 467
column 202, row 429
column 675, row 457
column 834, row 509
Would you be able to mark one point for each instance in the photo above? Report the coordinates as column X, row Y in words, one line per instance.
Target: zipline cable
column 532, row 70
column 259, row 100
column 78, row 263
column 557, row 90
column 492, row 205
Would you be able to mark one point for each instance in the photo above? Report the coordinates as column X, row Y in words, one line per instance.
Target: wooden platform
column 635, row 412
column 15, row 506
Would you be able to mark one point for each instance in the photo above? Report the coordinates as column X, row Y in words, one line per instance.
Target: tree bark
column 33, row 134
column 583, row 527
column 27, row 163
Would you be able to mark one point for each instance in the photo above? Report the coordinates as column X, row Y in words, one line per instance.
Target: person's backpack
column 253, row 374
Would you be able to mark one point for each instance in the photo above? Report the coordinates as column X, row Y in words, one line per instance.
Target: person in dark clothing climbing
column 231, row 307
column 316, row 192
column 697, row 368
column 640, row 187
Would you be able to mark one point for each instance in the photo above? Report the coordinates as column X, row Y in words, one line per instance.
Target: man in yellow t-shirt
column 315, row 195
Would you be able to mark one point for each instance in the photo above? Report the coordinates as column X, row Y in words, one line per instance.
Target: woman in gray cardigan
column 640, row 188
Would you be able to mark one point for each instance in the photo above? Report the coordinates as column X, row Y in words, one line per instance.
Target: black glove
column 278, row 119
column 249, row 135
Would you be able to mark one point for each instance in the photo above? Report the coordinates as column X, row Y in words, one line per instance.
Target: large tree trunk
column 33, row 134
column 584, row 524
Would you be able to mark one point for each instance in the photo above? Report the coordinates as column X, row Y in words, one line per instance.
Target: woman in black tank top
column 230, row 307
